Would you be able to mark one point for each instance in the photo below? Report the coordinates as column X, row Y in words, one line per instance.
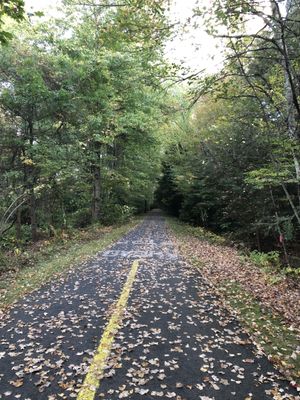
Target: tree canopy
column 13, row 9
column 235, row 167
column 93, row 127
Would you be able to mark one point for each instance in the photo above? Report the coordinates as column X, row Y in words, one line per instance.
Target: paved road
column 175, row 340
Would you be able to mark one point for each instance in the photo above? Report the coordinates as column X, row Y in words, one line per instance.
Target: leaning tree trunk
column 291, row 95
column 5, row 221
column 290, row 85
column 30, row 176
column 19, row 225
column 280, row 30
column 32, row 214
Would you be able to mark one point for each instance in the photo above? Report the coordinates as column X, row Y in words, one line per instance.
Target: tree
column 82, row 108
column 13, row 9
column 262, row 68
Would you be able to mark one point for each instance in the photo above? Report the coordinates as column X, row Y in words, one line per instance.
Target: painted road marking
column 92, row 380
column 140, row 254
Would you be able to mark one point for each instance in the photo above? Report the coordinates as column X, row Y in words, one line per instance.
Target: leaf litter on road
column 177, row 339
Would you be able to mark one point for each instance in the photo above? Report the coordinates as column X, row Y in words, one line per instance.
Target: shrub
column 3, row 262
column 293, row 272
column 265, row 260
column 116, row 213
column 81, row 218
column 203, row 234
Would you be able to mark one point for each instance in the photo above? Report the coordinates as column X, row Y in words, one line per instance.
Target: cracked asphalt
column 176, row 339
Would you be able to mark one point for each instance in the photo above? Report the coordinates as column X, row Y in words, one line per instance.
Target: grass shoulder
column 249, row 292
column 183, row 229
column 51, row 259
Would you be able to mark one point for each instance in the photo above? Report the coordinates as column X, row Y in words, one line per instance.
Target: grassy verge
column 182, row 229
column 56, row 258
column 268, row 331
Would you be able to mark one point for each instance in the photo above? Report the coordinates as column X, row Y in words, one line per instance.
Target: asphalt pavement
column 159, row 331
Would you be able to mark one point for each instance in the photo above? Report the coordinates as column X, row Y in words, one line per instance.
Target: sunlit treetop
column 13, row 9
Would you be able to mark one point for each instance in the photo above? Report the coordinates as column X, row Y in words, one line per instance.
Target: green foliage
column 13, row 9
column 203, row 234
column 167, row 194
column 116, row 214
column 265, row 260
column 88, row 134
column 271, row 264
column 81, row 116
column 234, row 164
column 288, row 230
column 210, row 165
column 81, row 218
column 222, row 169
column 182, row 228
column 3, row 262
column 293, row 272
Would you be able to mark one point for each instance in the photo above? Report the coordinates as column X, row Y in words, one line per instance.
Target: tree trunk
column 96, row 171
column 30, row 177
column 96, row 193
column 18, row 225
column 286, row 256
column 290, row 83
column 32, row 213
column 290, row 86
column 258, row 240
column 296, row 214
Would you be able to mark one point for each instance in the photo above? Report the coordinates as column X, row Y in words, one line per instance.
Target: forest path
column 175, row 339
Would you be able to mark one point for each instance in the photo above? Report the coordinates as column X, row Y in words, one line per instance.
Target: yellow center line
column 92, row 380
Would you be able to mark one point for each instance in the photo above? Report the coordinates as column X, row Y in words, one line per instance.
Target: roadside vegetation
column 233, row 167
column 50, row 259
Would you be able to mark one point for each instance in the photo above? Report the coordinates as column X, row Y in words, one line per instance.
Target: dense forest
column 235, row 167
column 82, row 108
column 98, row 125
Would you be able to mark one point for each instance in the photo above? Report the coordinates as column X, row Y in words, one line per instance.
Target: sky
column 193, row 48
column 182, row 49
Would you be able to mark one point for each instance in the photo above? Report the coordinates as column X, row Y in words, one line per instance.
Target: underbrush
column 196, row 231
column 22, row 254
column 271, row 264
column 265, row 260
